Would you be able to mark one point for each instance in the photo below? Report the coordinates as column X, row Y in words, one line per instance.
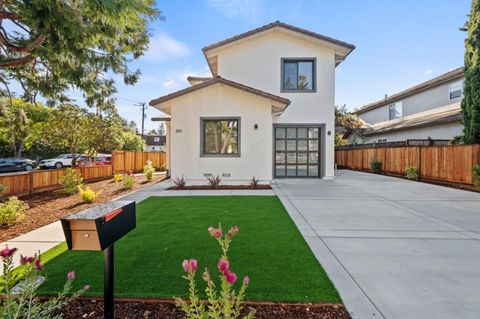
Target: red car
column 99, row 160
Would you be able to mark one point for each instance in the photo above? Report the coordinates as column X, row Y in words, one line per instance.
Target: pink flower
column 38, row 264
column 230, row 277
column 214, row 232
column 218, row 233
column 189, row 265
column 70, row 275
column 233, row 231
column 7, row 252
column 246, row 280
column 26, row 260
column 223, row 265
column 211, row 231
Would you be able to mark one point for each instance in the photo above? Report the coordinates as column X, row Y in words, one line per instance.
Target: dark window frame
column 297, row 60
column 202, row 135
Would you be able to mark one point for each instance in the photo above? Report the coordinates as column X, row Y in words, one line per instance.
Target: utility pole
column 144, row 107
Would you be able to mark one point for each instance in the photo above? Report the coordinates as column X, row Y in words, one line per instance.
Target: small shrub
column 11, row 211
column 476, row 176
column 179, row 183
column 163, row 168
column 412, row 173
column 22, row 302
column 128, row 181
column 254, row 182
column 117, row 178
column 225, row 303
column 71, row 180
column 88, row 195
column 214, row 182
column 376, row 166
column 2, row 190
column 148, row 170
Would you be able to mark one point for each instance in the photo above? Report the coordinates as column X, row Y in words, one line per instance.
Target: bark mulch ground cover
column 48, row 207
column 227, row 187
column 93, row 309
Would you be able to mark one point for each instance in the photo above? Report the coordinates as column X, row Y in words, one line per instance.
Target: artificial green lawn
column 268, row 248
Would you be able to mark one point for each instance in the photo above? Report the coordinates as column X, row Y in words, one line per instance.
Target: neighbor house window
column 156, row 139
column 298, row 75
column 455, row 90
column 220, row 137
column 395, row 111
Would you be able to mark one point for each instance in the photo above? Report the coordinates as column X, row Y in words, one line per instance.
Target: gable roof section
column 457, row 73
column 193, row 80
column 342, row 49
column 215, row 80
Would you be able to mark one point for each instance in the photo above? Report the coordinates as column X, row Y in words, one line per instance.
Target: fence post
column 30, row 187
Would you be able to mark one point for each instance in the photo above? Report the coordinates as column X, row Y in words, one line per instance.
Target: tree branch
column 11, row 63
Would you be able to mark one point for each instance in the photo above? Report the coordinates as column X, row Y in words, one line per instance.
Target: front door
column 297, row 151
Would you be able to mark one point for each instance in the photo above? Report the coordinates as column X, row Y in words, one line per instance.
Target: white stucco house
column 267, row 110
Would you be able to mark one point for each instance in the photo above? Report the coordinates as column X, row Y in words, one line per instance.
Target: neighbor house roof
column 439, row 115
column 162, row 118
column 457, row 73
column 219, row 80
column 342, row 49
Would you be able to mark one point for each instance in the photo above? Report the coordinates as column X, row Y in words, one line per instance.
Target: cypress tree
column 471, row 100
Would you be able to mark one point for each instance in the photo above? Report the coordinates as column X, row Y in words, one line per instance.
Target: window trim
column 400, row 104
column 461, row 82
column 219, row 118
column 314, row 73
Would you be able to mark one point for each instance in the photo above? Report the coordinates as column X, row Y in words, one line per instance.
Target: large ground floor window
column 220, row 137
column 297, row 151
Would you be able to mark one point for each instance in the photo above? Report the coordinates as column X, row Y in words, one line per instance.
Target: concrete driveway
column 393, row 248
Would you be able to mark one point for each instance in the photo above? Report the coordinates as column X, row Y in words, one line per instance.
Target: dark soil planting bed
column 228, row 187
column 92, row 309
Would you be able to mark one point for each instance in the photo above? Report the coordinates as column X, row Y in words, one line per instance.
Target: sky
column 398, row 43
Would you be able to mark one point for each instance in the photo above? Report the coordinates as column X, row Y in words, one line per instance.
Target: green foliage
column 88, row 195
column 339, row 140
column 412, row 173
column 52, row 46
column 24, row 303
column 71, row 180
column 476, row 176
column 163, row 168
column 148, row 170
column 132, row 142
column 11, row 211
column 471, row 100
column 3, row 188
column 128, row 181
column 117, row 178
column 346, row 120
column 22, row 124
column 376, row 166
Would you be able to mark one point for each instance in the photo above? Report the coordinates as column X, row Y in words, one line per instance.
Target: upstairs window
column 298, row 75
column 220, row 137
column 455, row 90
column 395, row 111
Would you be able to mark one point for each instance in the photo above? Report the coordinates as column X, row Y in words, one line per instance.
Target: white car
column 63, row 160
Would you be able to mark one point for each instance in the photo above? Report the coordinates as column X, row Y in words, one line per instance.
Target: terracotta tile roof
column 417, row 88
column 221, row 80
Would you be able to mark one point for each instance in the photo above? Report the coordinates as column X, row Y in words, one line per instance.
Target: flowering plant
column 226, row 303
column 20, row 301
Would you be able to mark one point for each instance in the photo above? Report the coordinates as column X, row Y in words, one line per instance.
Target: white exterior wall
column 221, row 101
column 446, row 131
column 257, row 63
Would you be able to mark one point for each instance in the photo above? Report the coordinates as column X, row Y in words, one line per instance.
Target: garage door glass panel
column 291, row 145
column 280, row 132
column 302, row 132
column 313, row 170
column 313, row 145
column 313, row 157
column 291, row 132
column 313, row 133
column 280, row 158
column 291, row 158
column 291, row 170
column 302, row 158
column 280, row 145
column 280, row 170
column 302, row 145
column 302, row 170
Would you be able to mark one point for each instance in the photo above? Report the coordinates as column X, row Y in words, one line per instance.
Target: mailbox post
column 98, row 228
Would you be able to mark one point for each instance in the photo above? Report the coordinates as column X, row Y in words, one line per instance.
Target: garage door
column 297, row 151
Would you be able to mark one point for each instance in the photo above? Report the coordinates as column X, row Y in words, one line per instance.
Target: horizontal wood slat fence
column 42, row 180
column 452, row 163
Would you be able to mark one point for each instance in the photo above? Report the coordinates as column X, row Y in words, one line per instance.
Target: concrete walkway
column 49, row 236
column 393, row 248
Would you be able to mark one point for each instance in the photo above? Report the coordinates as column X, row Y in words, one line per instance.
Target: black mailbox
column 98, row 228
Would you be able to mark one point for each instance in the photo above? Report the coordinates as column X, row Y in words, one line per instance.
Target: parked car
column 62, row 160
column 99, row 160
column 13, row 164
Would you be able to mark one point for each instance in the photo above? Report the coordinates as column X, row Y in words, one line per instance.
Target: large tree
column 51, row 46
column 471, row 100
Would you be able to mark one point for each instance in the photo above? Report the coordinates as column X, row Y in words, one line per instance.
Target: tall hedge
column 471, row 100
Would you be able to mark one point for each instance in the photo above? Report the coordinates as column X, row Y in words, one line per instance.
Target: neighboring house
column 430, row 110
column 267, row 111
column 155, row 143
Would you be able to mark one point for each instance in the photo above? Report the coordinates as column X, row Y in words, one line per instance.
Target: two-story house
column 267, row 111
column 430, row 110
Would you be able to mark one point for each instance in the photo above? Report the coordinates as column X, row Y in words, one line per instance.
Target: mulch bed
column 227, row 187
column 48, row 207
column 93, row 309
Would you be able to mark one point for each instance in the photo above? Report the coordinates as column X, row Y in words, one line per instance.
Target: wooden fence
column 453, row 163
column 124, row 161
column 42, row 180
